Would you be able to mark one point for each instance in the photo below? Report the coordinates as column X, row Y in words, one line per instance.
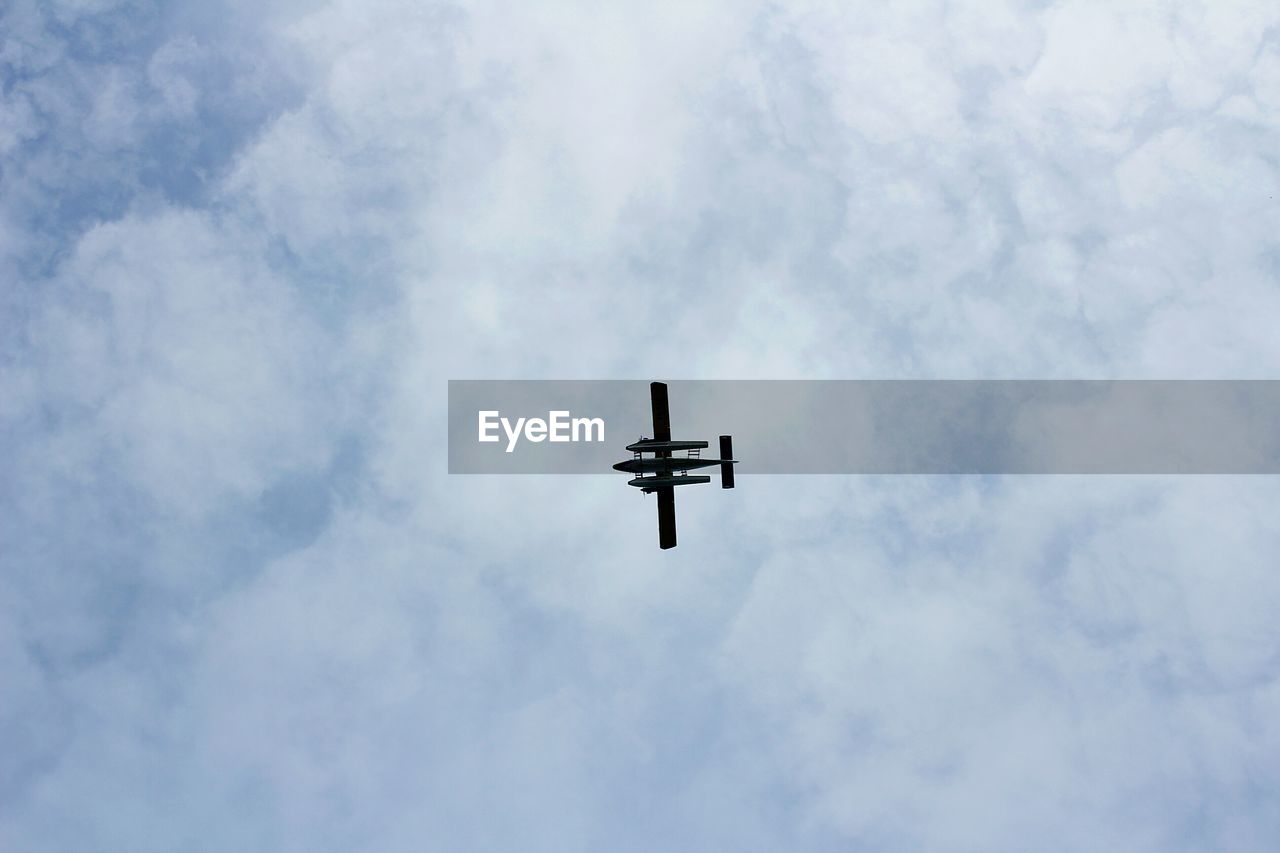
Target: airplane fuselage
column 664, row 465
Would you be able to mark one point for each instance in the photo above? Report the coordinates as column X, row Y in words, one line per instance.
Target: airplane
column 666, row 471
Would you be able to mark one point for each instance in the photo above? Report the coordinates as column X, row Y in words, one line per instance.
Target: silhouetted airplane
column 666, row 471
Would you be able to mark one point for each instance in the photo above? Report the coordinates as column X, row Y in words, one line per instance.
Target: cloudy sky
column 244, row 246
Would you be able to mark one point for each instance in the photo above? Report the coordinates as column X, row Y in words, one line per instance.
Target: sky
column 244, row 246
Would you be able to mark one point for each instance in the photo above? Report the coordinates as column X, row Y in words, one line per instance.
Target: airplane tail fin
column 726, row 468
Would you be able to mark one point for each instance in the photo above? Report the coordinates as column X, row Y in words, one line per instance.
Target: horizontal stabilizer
column 726, row 464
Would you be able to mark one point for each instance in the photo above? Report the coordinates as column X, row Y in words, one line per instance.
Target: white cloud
column 248, row 609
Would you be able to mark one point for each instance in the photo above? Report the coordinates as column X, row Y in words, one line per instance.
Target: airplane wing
column 666, row 515
column 661, row 417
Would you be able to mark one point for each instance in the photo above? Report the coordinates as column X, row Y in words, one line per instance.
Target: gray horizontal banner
column 877, row 426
